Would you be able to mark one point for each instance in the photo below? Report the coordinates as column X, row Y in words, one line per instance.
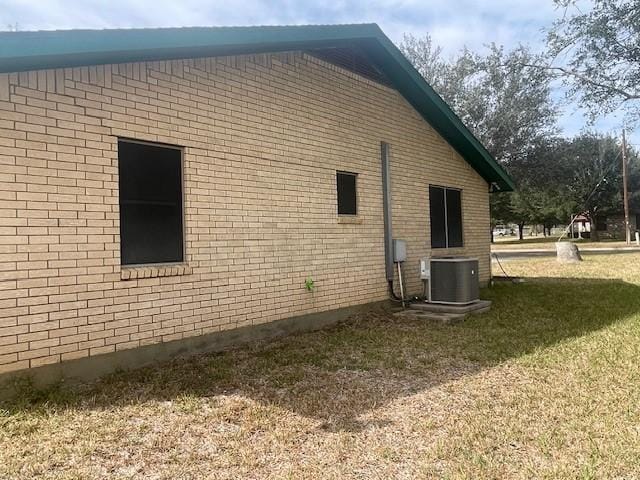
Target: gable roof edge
column 504, row 181
column 21, row 51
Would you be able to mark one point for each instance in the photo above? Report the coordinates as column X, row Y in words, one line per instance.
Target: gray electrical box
column 425, row 268
column 454, row 280
column 399, row 250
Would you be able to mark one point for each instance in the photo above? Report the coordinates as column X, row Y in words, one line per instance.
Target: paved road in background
column 507, row 254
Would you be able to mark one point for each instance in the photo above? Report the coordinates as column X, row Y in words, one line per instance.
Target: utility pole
column 625, row 192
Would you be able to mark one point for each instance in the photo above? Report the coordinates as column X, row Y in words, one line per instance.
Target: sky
column 451, row 23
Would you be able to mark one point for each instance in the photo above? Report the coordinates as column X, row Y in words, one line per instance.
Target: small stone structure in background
column 567, row 252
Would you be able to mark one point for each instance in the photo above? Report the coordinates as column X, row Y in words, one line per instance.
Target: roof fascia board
column 21, row 51
column 73, row 46
column 20, row 64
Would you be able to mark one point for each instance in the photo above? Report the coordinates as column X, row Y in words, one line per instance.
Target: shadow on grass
column 338, row 375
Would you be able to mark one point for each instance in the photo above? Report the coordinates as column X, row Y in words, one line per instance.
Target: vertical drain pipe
column 400, row 281
column 386, row 213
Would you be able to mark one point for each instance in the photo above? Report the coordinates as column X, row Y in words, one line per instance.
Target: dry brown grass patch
column 544, row 386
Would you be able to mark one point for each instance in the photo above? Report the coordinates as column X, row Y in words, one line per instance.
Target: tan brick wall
column 263, row 137
column 616, row 227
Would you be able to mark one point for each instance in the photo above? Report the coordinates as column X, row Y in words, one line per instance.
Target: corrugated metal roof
column 20, row 51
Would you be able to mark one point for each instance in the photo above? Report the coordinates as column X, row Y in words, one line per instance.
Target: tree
column 590, row 167
column 541, row 195
column 426, row 57
column 504, row 98
column 597, row 51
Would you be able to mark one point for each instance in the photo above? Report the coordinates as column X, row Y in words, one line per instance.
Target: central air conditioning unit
column 452, row 280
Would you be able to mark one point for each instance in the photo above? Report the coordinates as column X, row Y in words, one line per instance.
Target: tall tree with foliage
column 504, row 97
column 503, row 100
column 542, row 195
column 597, row 51
column 591, row 168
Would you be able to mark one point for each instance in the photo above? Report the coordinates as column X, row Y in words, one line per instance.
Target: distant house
column 613, row 226
column 580, row 226
column 609, row 227
column 170, row 190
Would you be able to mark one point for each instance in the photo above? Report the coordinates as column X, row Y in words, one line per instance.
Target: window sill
column 350, row 219
column 154, row 271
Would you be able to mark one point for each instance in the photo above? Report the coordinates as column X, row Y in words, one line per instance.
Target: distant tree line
column 505, row 98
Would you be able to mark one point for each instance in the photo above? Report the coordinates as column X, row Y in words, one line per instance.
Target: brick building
column 161, row 187
column 613, row 226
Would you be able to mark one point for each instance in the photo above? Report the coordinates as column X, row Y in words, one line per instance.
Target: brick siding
column 263, row 136
column 616, row 227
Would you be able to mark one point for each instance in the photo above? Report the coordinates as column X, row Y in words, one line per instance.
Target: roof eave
column 61, row 49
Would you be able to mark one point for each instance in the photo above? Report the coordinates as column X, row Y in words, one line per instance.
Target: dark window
column 445, row 205
column 454, row 218
column 438, row 218
column 347, row 198
column 150, row 203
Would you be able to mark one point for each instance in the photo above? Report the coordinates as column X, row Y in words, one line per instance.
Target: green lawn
column 548, row 243
column 546, row 385
column 514, row 240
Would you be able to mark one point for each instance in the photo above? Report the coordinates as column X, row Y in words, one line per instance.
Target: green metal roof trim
column 20, row 51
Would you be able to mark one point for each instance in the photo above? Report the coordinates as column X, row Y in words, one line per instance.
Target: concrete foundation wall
column 94, row 367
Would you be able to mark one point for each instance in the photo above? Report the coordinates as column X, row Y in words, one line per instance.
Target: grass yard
column 549, row 243
column 546, row 385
